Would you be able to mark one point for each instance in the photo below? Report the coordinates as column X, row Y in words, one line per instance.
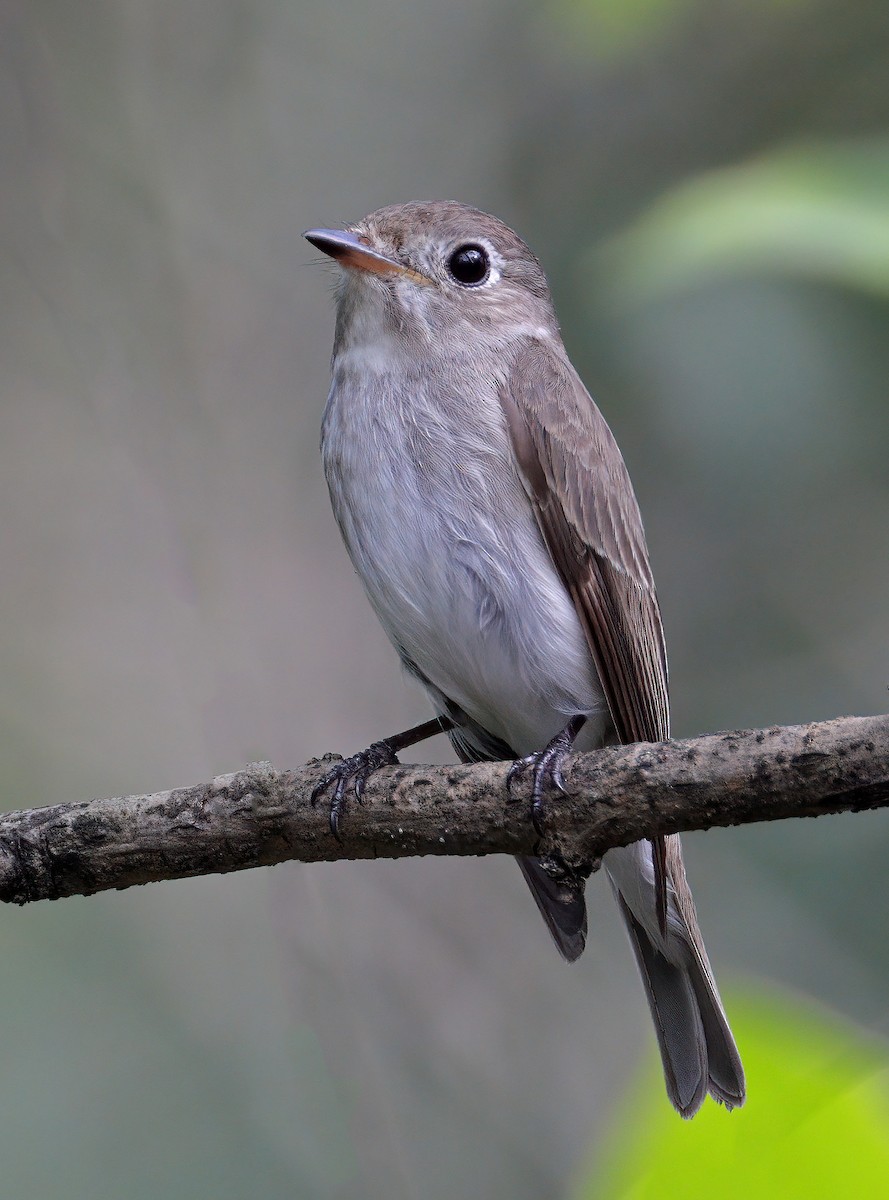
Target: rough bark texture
column 261, row 816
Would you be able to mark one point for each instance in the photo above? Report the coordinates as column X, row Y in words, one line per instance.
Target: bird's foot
column 358, row 768
column 546, row 769
column 354, row 770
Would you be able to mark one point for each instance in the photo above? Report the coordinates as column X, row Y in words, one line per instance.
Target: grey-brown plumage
column 487, row 508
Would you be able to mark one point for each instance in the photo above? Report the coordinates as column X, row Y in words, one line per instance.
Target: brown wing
column 589, row 518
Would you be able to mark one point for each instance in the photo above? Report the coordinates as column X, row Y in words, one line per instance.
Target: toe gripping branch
column 546, row 768
column 358, row 768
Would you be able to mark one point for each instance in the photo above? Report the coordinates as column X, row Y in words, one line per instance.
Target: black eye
column 469, row 265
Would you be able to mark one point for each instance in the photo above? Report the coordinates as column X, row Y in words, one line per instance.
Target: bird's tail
column 561, row 905
column 696, row 1044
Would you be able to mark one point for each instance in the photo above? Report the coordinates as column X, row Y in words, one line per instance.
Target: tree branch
column 615, row 796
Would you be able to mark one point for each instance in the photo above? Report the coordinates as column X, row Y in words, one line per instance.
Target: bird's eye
column 469, row 265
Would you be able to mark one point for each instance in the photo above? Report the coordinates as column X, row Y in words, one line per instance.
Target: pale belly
column 443, row 536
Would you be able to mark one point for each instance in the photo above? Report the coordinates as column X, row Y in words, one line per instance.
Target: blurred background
column 708, row 187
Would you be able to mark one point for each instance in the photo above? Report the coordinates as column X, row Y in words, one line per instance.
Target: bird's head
column 435, row 274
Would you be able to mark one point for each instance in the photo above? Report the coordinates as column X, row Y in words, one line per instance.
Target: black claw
column 334, row 820
column 516, row 771
column 356, row 770
column 557, row 778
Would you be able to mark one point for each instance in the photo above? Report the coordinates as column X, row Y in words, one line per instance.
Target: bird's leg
column 546, row 768
column 358, row 768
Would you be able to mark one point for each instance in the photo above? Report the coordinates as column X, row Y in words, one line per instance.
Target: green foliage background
column 815, row 1127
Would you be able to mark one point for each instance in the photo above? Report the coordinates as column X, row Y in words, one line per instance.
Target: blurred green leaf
column 816, row 1124
column 606, row 27
column 818, row 211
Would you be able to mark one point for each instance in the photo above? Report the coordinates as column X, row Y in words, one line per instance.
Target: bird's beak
column 349, row 251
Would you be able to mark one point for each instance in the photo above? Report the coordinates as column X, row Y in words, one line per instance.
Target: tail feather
column 561, row 905
column 727, row 1082
column 677, row 1020
column 698, row 1051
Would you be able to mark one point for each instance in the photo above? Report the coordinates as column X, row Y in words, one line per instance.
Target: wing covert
column 590, row 521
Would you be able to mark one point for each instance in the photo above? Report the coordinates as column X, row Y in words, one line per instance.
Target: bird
column 487, row 509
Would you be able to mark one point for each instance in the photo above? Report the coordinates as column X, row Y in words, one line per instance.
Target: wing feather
column 589, row 519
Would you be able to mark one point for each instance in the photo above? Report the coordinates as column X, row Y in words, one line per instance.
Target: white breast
column 442, row 533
